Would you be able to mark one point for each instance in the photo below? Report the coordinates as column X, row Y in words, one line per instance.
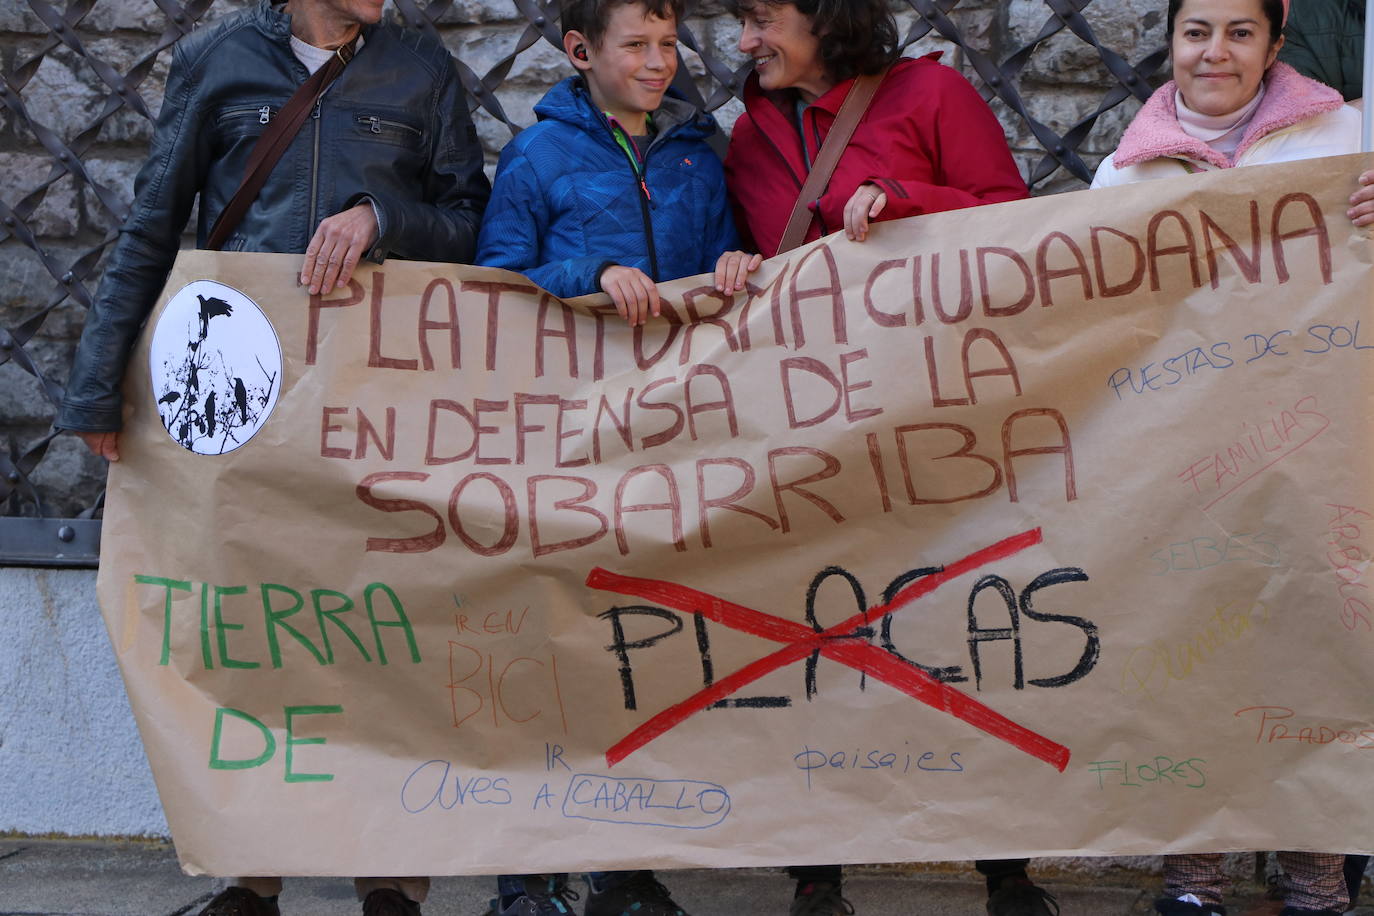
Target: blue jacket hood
column 570, row 101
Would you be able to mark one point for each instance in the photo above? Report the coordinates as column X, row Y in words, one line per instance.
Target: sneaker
column 387, row 902
column 820, row 898
column 1187, row 905
column 1020, row 897
column 544, row 896
column 240, row 901
column 639, row 894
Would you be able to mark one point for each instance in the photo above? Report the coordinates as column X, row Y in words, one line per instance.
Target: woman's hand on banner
column 633, row 291
column 336, row 248
column 733, row 269
column 866, row 204
column 1361, row 210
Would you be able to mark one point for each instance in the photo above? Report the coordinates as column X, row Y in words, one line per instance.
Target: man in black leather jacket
column 388, row 163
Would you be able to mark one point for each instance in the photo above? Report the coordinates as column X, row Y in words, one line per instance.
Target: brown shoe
column 240, row 901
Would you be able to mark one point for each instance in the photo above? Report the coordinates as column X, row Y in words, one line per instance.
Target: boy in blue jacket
column 613, row 190
column 616, row 188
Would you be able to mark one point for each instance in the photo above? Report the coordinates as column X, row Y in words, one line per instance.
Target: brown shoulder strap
column 273, row 142
column 846, row 120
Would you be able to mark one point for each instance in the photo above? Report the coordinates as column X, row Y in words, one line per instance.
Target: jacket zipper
column 816, row 133
column 788, row 165
column 315, row 167
column 375, row 125
column 263, row 114
column 644, row 199
column 641, row 173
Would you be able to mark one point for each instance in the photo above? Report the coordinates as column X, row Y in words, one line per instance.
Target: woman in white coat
column 1231, row 104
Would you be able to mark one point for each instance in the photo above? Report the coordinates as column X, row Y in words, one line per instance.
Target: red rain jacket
column 928, row 139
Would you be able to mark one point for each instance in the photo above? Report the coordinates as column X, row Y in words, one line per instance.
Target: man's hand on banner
column 866, row 204
column 103, row 444
column 1361, row 210
column 733, row 269
column 633, row 291
column 337, row 246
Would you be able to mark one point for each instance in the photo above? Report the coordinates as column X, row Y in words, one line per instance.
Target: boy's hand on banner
column 103, row 445
column 733, row 269
column 632, row 290
column 336, row 248
column 1361, row 210
column 866, row 204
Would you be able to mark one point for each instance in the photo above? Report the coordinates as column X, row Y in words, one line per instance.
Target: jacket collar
column 1289, row 98
column 784, row 100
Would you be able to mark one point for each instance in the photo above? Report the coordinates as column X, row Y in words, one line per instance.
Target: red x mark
column 835, row 643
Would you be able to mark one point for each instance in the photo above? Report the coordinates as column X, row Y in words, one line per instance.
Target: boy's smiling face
column 634, row 65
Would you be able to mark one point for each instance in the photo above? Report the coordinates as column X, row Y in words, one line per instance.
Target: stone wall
column 1062, row 81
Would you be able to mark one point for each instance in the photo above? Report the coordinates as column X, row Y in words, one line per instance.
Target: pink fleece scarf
column 1289, row 98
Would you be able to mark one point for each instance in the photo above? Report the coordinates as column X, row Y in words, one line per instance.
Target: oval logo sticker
column 215, row 364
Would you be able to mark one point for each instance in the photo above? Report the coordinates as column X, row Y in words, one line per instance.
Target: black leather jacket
column 394, row 127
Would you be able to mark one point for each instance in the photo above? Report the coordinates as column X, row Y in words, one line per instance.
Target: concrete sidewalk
column 109, row 878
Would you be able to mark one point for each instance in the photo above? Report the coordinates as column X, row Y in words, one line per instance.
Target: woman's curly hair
column 857, row 36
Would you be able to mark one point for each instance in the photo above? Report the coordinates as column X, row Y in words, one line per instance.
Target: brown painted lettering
column 830, row 289
column 673, row 505
column 455, row 350
column 964, row 451
column 419, row 544
column 1249, row 267
column 1188, row 247
column 725, row 403
column 571, row 504
column 1007, row 368
column 312, row 333
column 453, row 407
column 1064, row 448
column 493, row 291
column 831, row 467
column 731, row 502
column 327, row 450
column 937, row 298
column 1111, row 290
column 1048, row 274
column 568, row 333
column 880, row 318
column 375, row 359
column 1027, row 279
column 510, row 524
column 1317, row 229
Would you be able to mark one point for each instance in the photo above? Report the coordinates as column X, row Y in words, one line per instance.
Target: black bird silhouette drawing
column 210, row 414
column 211, row 307
column 241, row 398
column 210, row 396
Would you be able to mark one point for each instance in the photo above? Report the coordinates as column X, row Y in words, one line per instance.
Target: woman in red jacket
column 928, row 142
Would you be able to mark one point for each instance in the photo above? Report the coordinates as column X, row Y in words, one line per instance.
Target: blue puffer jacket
column 567, row 202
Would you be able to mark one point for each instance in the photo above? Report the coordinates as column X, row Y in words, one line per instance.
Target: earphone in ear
column 580, row 52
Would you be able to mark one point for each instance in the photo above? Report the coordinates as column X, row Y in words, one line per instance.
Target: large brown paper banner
column 1032, row 529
